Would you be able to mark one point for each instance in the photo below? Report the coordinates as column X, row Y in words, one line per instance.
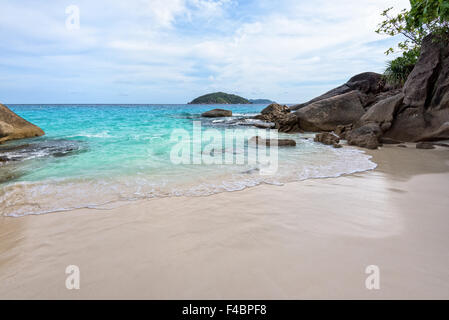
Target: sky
column 171, row 51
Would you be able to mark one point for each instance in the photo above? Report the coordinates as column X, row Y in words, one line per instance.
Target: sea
column 98, row 156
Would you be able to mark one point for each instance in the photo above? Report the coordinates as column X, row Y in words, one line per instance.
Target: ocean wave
column 64, row 194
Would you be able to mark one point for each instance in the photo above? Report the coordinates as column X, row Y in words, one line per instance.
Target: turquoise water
column 94, row 155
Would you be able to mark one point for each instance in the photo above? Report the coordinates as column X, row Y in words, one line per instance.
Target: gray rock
column 327, row 114
column 217, row 113
column 366, row 136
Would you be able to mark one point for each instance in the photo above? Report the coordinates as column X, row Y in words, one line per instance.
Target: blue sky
column 171, row 51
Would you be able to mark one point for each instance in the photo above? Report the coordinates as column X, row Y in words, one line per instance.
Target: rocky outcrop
column 327, row 114
column 217, row 113
column 281, row 116
column 368, row 83
column 269, row 142
column 424, row 114
column 13, row 127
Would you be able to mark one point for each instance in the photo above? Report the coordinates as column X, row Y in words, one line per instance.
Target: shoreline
column 305, row 239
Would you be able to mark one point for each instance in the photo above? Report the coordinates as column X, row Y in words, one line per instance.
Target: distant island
column 220, row 98
column 261, row 101
column 226, row 98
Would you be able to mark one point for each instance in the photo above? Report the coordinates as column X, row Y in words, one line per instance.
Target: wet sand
column 309, row 239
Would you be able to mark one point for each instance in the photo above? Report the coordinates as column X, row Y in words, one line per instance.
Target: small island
column 261, row 101
column 220, row 98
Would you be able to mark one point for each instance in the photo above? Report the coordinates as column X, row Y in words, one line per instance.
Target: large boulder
column 424, row 114
column 368, row 83
column 217, row 113
column 14, row 127
column 327, row 114
column 280, row 115
column 366, row 136
column 383, row 112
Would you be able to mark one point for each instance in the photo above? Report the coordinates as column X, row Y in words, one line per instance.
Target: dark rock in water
column 366, row 136
column 424, row 145
column 13, row 127
column 265, row 125
column 282, row 118
column 39, row 149
column 327, row 138
column 401, row 146
column 327, row 114
column 217, row 113
column 337, row 145
column 269, row 142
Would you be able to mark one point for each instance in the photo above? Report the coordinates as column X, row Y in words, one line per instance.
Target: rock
column 425, row 145
column 327, row 138
column 14, row 127
column 217, row 113
column 366, row 136
column 280, row 115
column 327, row 114
column 337, row 145
column 389, row 141
column 383, row 112
column 342, row 130
column 274, row 109
column 367, row 83
column 269, row 142
column 424, row 115
column 401, row 146
column 419, row 83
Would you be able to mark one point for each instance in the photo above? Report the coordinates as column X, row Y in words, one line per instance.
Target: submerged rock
column 39, row 149
column 13, row 127
column 217, row 113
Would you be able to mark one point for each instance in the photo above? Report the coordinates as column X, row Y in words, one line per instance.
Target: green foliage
column 399, row 69
column 220, row 98
column 430, row 13
column 424, row 17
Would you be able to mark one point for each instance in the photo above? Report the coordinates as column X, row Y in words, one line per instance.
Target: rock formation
column 14, row 127
column 366, row 110
column 281, row 116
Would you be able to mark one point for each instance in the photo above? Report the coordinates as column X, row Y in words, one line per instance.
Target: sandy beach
column 309, row 239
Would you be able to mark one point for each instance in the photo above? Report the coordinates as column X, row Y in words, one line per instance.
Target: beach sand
column 309, row 239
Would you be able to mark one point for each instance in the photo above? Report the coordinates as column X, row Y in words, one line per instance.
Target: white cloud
column 289, row 52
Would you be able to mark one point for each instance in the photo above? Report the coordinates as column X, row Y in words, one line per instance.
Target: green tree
column 423, row 18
